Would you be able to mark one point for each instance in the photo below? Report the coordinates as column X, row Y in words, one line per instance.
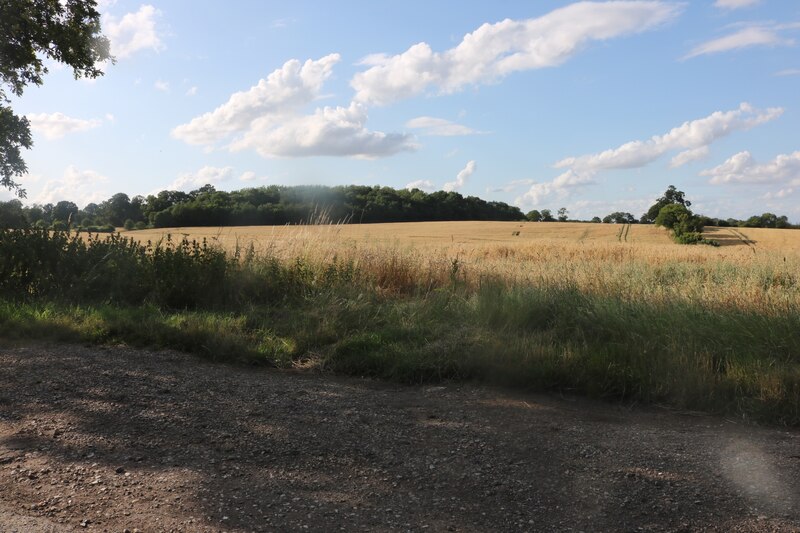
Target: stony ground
column 114, row 439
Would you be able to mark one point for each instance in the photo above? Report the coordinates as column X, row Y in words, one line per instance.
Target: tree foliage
column 31, row 32
column 619, row 217
column 534, row 215
column 273, row 205
column 671, row 196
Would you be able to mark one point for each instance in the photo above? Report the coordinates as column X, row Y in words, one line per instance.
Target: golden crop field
column 752, row 268
column 470, row 234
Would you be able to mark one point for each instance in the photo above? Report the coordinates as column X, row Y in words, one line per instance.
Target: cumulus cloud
column 439, row 127
column 330, row 131
column 560, row 187
column 423, row 185
column 735, row 4
column 777, row 195
column 283, row 91
column 743, row 168
column 57, row 125
column 511, row 186
column 688, row 156
column 133, row 32
column 691, row 138
column 585, row 209
column 461, row 177
column 205, row 176
column 162, row 86
column 191, row 91
column 79, row 186
column 494, row 51
column 747, row 37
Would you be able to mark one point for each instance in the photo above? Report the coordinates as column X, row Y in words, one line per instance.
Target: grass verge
column 343, row 318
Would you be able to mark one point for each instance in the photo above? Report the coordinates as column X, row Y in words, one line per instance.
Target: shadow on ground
column 113, row 438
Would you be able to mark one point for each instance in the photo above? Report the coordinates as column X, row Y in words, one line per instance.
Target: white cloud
column 439, row 127
column 162, row 86
column 330, row 131
column 494, row 51
column 57, row 125
column 285, row 90
column 268, row 119
column 247, row 176
column 735, row 4
column 559, row 187
column 282, row 23
column 788, row 72
column 688, row 156
column 690, row 137
column 79, row 186
column 461, row 177
column 206, row 175
column 133, row 32
column 585, row 209
column 744, row 38
column 742, row 168
column 191, row 91
column 423, row 185
column 511, row 186
column 783, row 193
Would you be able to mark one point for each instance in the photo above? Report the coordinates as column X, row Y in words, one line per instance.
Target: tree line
column 272, row 205
column 308, row 204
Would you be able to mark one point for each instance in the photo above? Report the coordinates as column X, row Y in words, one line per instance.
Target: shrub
column 128, row 225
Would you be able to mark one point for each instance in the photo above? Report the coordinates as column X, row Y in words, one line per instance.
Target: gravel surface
column 115, row 439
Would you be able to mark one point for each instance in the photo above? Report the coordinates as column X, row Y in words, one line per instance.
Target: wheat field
column 753, row 269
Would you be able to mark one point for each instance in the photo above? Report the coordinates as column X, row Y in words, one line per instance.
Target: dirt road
column 114, row 439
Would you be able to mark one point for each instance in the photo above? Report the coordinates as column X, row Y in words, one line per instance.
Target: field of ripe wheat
column 756, row 269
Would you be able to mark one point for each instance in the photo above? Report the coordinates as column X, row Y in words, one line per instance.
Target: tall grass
column 605, row 323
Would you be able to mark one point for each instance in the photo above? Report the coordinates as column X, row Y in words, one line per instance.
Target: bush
column 670, row 215
column 128, row 225
column 140, row 225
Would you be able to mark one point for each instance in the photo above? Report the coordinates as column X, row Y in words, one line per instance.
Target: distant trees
column 276, row 204
column 534, row 216
column 767, row 220
column 65, row 211
column 671, row 196
column 12, row 215
column 119, row 208
column 686, row 227
column 619, row 217
column 545, row 215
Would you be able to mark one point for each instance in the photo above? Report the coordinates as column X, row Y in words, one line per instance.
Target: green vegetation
column 273, row 205
column 395, row 318
column 31, row 33
column 279, row 205
column 685, row 226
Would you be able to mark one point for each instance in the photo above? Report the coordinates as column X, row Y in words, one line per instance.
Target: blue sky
column 595, row 106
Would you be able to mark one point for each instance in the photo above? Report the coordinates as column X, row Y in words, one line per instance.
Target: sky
column 592, row 106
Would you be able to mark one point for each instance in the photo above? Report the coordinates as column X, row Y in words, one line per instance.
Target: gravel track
column 116, row 439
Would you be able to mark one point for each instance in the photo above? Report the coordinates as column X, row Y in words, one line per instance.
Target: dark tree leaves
column 32, row 31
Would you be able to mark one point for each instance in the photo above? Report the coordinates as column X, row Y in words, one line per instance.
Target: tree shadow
column 726, row 236
column 163, row 440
